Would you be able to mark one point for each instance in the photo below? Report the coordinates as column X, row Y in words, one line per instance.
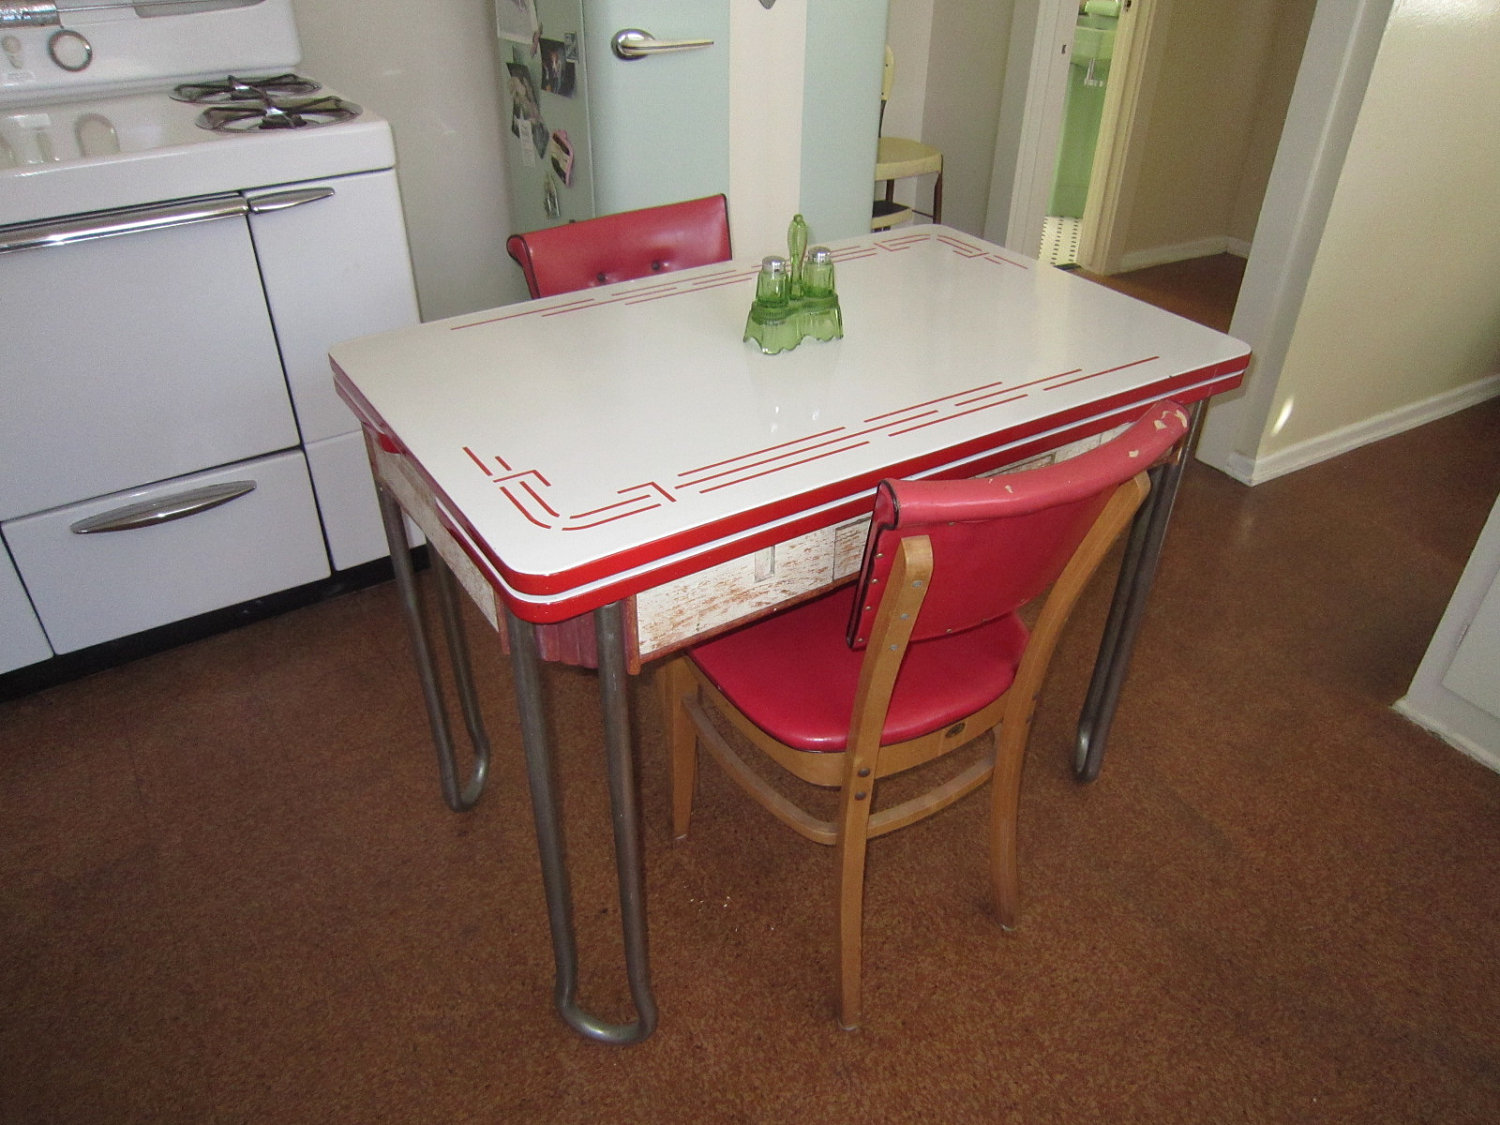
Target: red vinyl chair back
column 623, row 246
column 998, row 542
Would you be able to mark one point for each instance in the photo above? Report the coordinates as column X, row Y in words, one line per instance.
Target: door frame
column 1049, row 25
column 1127, row 108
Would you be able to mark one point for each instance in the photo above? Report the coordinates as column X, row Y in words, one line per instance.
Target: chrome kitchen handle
column 281, row 200
column 129, row 220
column 632, row 43
column 14, row 13
column 148, row 513
column 29, row 15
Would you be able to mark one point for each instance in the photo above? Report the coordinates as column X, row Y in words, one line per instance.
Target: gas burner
column 232, row 90
column 301, row 113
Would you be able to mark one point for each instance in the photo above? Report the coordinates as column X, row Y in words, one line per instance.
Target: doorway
column 1090, row 62
column 1153, row 128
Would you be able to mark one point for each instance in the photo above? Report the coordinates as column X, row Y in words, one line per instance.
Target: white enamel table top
column 587, row 446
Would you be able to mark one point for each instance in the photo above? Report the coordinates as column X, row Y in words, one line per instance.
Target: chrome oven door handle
column 128, row 220
column 148, row 513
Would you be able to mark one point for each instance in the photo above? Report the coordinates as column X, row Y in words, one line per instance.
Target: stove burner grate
column 290, row 114
column 232, row 90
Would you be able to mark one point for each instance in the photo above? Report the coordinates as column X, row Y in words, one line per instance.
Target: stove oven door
column 139, row 362
column 136, row 356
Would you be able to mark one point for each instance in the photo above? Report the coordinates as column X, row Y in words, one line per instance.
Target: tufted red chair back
column 998, row 542
column 623, row 246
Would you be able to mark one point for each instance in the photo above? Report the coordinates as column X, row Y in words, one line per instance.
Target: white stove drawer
column 90, row 586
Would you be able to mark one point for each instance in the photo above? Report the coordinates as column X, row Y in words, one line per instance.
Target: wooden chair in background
column 623, row 246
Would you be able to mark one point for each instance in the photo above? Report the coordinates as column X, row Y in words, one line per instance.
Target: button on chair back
column 623, row 246
column 899, row 158
column 924, row 655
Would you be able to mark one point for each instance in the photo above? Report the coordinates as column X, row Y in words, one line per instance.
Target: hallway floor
column 1202, row 289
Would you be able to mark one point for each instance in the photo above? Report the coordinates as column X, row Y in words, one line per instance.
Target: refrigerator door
column 592, row 133
column 660, row 124
column 542, row 63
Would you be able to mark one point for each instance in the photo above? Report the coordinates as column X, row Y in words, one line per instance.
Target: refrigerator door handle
column 632, row 43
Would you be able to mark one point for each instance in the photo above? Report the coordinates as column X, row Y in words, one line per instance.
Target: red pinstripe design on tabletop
column 650, row 495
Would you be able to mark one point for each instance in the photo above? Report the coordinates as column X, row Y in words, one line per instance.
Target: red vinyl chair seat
column 808, row 705
column 623, row 246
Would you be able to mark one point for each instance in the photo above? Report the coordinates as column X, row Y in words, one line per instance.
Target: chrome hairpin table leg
column 1133, row 588
column 546, row 805
column 547, row 810
column 459, row 798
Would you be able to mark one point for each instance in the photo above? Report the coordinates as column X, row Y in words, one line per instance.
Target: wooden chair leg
column 1005, row 801
column 937, row 198
column 851, row 865
column 683, row 734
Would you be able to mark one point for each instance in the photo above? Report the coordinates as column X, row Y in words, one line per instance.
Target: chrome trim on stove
column 148, row 513
column 28, row 15
column 129, row 220
column 281, row 200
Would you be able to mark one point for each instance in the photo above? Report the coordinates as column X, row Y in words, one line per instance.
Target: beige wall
column 434, row 79
column 1227, row 72
column 909, row 35
column 961, row 108
column 1402, row 309
column 1282, row 60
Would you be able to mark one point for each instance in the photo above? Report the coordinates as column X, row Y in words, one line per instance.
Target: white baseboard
column 1182, row 252
column 1329, row 445
column 1469, row 740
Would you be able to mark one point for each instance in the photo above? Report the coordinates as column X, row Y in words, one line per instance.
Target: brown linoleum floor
column 229, row 891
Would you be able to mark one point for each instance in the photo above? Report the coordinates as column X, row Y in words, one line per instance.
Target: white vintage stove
column 186, row 226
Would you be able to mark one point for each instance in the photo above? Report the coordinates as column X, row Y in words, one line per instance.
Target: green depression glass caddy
column 795, row 296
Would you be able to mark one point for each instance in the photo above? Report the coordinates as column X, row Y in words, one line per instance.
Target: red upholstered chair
column 620, row 247
column 924, row 654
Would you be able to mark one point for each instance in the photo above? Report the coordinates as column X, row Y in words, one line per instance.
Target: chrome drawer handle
column 633, row 43
column 151, row 512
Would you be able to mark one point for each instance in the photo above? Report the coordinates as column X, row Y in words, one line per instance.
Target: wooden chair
column 623, row 246
column 898, row 158
column 923, row 656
